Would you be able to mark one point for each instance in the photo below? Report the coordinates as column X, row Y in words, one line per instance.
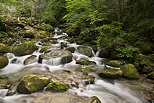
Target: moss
column 43, row 49
column 71, row 49
column 3, row 61
column 84, row 61
column 45, row 44
column 151, row 75
column 110, row 73
column 32, row 83
column 114, row 63
column 129, row 71
column 29, row 33
column 85, row 69
column 4, row 49
column 43, row 33
column 26, row 48
column 57, row 86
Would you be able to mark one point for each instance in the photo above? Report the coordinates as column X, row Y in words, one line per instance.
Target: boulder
column 29, row 32
column 88, row 79
column 103, row 53
column 32, row 83
column 3, row 61
column 26, row 48
column 114, row 63
column 71, row 49
column 129, row 71
column 110, row 73
column 84, row 61
column 65, row 56
column 93, row 99
column 57, row 86
column 43, row 49
column 151, row 75
column 4, row 49
column 85, row 50
column 85, row 69
column 30, row 60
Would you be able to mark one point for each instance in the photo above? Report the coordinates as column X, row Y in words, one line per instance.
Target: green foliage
column 126, row 52
column 55, row 12
column 110, row 35
column 46, row 27
column 24, row 9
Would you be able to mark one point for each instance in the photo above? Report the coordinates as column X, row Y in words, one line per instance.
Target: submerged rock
column 85, row 50
column 30, row 60
column 15, row 61
column 93, row 99
column 3, row 61
column 114, row 63
column 129, row 71
column 32, row 83
column 88, row 79
column 26, row 48
column 110, row 73
column 65, row 56
column 84, row 61
column 57, row 86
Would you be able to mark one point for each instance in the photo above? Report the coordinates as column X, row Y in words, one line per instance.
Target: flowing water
column 108, row 91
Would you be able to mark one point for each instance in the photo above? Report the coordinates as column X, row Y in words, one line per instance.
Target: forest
column 121, row 30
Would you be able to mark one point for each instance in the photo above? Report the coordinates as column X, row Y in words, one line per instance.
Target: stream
column 108, row 91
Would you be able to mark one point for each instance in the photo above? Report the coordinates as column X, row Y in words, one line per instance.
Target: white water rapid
column 106, row 91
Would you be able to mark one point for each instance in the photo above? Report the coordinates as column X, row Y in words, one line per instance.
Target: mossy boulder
column 29, row 32
column 85, row 50
column 43, row 49
column 32, row 83
column 4, row 49
column 43, row 33
column 110, row 73
column 151, row 75
column 129, row 71
column 84, row 61
column 93, row 99
column 57, row 86
column 3, row 61
column 114, row 63
column 71, row 49
column 26, row 48
column 85, row 69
